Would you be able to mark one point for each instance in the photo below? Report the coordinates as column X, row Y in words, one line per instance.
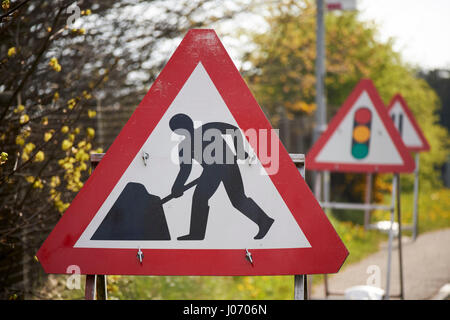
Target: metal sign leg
column 301, row 287
column 90, row 288
column 95, row 284
column 399, row 218
column 301, row 280
column 368, row 199
column 391, row 238
column 395, row 202
column 102, row 292
column 416, row 199
column 95, row 288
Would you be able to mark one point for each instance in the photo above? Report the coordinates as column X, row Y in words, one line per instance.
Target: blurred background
column 72, row 73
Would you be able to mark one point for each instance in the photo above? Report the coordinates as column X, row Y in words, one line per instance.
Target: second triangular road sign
column 406, row 124
column 360, row 138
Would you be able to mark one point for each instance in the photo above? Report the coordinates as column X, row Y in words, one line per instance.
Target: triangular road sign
column 406, row 124
column 360, row 138
column 142, row 212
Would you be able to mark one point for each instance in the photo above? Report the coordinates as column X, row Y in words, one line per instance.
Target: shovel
column 136, row 215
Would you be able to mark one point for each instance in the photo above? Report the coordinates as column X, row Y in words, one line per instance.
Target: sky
column 420, row 28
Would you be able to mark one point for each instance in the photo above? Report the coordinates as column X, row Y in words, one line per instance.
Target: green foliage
column 283, row 73
column 433, row 210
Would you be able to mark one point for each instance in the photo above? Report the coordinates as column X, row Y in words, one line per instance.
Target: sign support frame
column 96, row 284
column 395, row 204
column 301, row 290
column 395, row 199
column 415, row 227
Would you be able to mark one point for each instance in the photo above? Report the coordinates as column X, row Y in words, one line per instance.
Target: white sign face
column 409, row 135
column 227, row 227
column 369, row 143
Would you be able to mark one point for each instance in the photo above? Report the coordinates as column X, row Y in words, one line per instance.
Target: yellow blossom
column 19, row 108
column 66, row 144
column 87, row 95
column 82, row 166
column 30, row 179
column 44, row 121
column 39, row 157
column 5, row 4
column 55, row 64
column 20, row 140
column 12, row 51
column 56, row 96
column 24, row 119
column 55, row 181
column 65, row 129
column 37, row 183
column 29, row 147
column 71, row 103
column 3, row 157
column 92, row 113
column 90, row 132
column 81, row 155
column 79, row 31
column 48, row 135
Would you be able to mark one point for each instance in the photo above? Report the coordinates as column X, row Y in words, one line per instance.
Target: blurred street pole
column 321, row 101
column 320, row 115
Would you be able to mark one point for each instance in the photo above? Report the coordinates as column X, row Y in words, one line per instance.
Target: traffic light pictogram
column 361, row 133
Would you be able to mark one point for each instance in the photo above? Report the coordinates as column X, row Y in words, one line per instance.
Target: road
column 426, row 268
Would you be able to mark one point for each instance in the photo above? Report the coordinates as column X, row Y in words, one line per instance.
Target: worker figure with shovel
column 220, row 167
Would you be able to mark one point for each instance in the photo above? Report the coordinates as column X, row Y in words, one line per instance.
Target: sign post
column 399, row 238
column 416, row 198
column 395, row 206
column 301, row 291
column 96, row 284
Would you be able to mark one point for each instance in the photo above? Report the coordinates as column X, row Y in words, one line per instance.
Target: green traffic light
column 360, row 150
